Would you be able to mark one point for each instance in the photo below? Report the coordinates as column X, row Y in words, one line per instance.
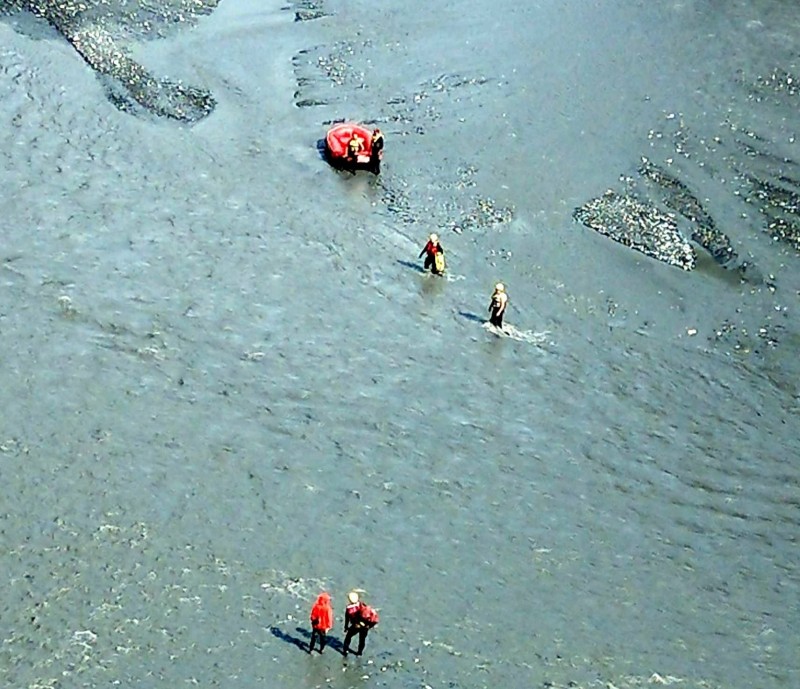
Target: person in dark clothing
column 431, row 250
column 359, row 618
column 321, row 621
column 376, row 151
column 498, row 305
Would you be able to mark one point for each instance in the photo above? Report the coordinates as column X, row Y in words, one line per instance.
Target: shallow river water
column 227, row 384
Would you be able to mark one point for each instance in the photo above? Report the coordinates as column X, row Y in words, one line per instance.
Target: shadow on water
column 322, row 149
column 338, row 165
column 472, row 317
column 302, row 644
column 414, row 266
column 432, row 285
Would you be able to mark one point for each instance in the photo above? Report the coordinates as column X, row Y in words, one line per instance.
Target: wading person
column 321, row 621
column 359, row 618
column 434, row 255
column 497, row 305
column 376, row 151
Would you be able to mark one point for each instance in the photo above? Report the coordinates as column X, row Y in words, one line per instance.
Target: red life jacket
column 353, row 612
column 432, row 249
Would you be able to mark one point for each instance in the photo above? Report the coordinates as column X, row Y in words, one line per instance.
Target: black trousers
column 317, row 634
column 430, row 263
column 375, row 158
column 496, row 319
column 362, row 639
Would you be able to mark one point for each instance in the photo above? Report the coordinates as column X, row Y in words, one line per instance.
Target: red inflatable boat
column 338, row 139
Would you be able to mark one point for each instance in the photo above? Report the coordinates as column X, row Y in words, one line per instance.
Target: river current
column 226, row 383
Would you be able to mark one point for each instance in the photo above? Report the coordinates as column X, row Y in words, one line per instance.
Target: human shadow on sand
column 289, row 639
column 302, row 644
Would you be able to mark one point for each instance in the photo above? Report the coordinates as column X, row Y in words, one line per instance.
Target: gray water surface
column 226, row 385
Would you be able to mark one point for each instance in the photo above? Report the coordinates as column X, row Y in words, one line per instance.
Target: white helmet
column 499, row 287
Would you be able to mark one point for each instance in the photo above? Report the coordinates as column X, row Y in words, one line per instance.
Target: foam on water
column 514, row 333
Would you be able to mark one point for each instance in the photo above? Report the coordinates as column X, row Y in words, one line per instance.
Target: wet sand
column 225, row 384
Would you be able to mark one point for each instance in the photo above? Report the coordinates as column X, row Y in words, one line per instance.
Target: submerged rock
column 308, row 10
column 94, row 28
column 639, row 226
column 677, row 197
column 779, row 202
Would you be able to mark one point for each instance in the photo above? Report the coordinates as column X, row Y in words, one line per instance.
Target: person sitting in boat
column 376, row 151
column 432, row 250
column 354, row 147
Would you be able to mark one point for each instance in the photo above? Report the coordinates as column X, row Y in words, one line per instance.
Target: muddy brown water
column 226, row 384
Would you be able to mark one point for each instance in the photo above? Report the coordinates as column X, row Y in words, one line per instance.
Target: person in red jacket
column 359, row 618
column 321, row 621
column 432, row 250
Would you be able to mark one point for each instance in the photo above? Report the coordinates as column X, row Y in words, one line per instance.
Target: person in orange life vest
column 354, row 147
column 430, row 250
column 321, row 621
column 359, row 618
column 498, row 305
column 376, row 151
